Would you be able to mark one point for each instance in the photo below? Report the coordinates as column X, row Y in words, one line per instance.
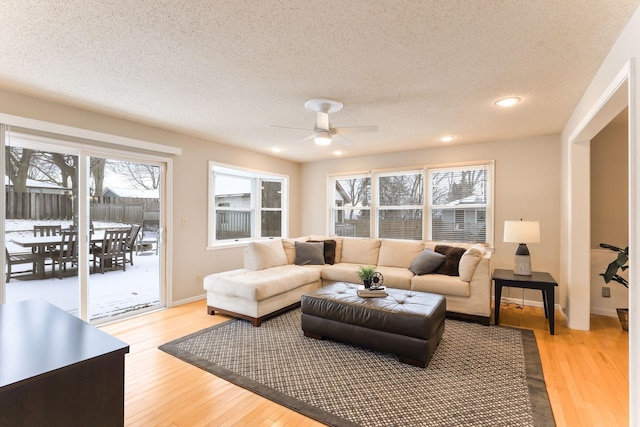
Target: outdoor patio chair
column 67, row 252
column 46, row 230
column 131, row 241
column 36, row 261
column 112, row 251
column 148, row 236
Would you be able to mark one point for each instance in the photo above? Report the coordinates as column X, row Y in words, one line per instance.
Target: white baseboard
column 604, row 312
column 189, row 300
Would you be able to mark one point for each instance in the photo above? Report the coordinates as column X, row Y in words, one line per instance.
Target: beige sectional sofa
column 276, row 275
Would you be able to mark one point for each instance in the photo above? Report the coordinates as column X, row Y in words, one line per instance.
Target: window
column 351, row 201
column 245, row 205
column 400, row 205
column 458, row 206
column 460, row 202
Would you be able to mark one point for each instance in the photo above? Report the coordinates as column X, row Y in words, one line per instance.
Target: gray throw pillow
column 426, row 262
column 309, row 253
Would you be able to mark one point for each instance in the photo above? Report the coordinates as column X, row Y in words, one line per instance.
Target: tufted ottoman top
column 408, row 313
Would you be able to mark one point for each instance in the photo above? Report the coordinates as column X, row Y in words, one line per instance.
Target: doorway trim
column 621, row 92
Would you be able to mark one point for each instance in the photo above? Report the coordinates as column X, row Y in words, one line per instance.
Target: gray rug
column 478, row 376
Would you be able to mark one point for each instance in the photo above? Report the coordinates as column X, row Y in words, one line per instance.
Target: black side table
column 537, row 280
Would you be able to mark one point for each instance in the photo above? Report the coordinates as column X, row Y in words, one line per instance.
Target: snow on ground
column 110, row 294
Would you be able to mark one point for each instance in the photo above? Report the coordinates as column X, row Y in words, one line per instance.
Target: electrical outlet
column 198, row 279
column 606, row 292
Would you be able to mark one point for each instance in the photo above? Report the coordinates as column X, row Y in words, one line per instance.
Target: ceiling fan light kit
column 322, row 137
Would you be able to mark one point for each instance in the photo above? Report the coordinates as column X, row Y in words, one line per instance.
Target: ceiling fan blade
column 353, row 129
column 289, row 127
column 342, row 140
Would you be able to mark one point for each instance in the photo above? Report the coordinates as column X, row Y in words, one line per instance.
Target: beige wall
column 527, row 175
column 610, row 186
column 189, row 186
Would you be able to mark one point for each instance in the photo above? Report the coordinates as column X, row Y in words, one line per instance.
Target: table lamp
column 522, row 232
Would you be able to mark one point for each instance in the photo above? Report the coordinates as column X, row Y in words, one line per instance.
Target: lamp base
column 522, row 266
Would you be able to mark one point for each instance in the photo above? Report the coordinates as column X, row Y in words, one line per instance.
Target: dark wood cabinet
column 57, row 370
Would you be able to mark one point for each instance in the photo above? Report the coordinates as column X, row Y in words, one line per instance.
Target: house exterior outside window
column 351, row 204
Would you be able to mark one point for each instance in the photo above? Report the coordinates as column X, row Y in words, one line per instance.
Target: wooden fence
column 41, row 206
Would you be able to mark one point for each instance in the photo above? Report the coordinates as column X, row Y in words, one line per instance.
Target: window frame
column 489, row 166
column 334, row 209
column 375, row 208
column 387, row 208
column 256, row 179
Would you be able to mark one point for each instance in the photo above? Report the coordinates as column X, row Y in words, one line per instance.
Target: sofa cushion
column 451, row 261
column 309, row 253
column 259, row 285
column 265, row 254
column 360, row 251
column 397, row 253
column 426, row 262
column 441, row 284
column 343, row 272
column 329, row 250
column 396, row 277
column 470, row 260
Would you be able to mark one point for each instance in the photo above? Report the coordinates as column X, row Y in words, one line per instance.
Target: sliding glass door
column 124, row 203
column 83, row 227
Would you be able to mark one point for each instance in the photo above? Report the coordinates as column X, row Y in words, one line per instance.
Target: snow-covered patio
column 110, row 294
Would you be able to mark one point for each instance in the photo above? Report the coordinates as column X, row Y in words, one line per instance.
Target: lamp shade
column 522, row 231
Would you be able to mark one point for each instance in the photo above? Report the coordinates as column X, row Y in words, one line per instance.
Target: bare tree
column 97, row 174
column 358, row 190
column 17, row 166
column 139, row 175
column 456, row 185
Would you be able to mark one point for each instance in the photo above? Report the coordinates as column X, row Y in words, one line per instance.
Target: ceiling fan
column 323, row 132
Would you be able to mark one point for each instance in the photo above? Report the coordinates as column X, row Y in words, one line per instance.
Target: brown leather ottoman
column 408, row 324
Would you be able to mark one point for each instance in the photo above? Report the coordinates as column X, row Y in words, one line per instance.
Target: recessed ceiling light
column 338, row 153
column 508, row 102
column 446, row 138
column 276, row 149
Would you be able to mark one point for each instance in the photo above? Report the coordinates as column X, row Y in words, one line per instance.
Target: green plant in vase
column 620, row 263
column 366, row 274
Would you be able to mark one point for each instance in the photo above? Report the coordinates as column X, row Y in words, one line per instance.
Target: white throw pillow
column 469, row 261
column 265, row 254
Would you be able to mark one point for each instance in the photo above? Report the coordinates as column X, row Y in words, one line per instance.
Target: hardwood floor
column 586, row 374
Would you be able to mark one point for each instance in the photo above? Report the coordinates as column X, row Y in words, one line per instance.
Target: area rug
column 478, row 376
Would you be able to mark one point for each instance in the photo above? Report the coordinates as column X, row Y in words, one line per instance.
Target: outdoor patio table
column 42, row 242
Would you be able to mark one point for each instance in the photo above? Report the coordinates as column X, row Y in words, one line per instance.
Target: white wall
column 622, row 55
column 527, row 178
column 189, row 186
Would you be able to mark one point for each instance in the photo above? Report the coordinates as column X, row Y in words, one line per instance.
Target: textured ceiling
column 227, row 70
